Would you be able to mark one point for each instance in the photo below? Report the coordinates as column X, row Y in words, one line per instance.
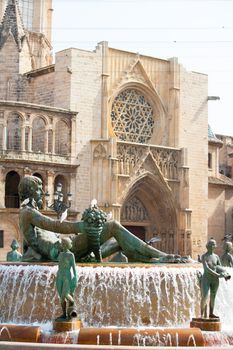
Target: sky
column 199, row 33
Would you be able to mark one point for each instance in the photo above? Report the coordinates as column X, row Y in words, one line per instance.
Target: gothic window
column 11, row 190
column 62, row 138
column 14, row 125
column 132, row 117
column 26, row 8
column 38, row 135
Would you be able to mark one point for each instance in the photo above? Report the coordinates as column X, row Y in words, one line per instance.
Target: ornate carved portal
column 149, row 210
column 134, row 211
column 135, row 217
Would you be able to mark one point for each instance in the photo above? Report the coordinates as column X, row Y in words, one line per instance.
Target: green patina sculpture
column 94, row 219
column 66, row 280
column 227, row 258
column 14, row 255
column 43, row 234
column 210, row 278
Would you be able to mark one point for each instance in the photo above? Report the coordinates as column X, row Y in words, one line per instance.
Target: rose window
column 132, row 117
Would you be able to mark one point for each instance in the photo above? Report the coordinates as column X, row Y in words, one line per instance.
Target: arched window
column 38, row 135
column 132, row 117
column 11, row 190
column 62, row 138
column 14, row 125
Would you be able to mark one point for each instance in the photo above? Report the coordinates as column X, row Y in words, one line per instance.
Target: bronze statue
column 227, row 258
column 14, row 255
column 43, row 234
column 94, row 218
column 210, row 278
column 66, row 280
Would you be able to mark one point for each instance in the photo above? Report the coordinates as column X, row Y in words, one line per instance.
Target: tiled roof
column 12, row 24
column 221, row 180
column 212, row 137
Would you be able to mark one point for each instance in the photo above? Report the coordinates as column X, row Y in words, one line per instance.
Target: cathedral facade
column 127, row 129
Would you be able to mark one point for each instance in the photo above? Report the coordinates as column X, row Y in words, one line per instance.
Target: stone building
column 225, row 155
column 127, row 129
column 220, row 192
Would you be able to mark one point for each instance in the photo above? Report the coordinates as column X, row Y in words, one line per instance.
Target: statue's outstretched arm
column 37, row 219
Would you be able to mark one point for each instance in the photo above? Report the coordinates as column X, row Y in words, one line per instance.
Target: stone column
column 23, row 138
column 73, row 190
column 50, row 184
column 46, row 147
column 30, row 139
column 104, row 99
column 53, row 142
column 174, row 103
column 4, row 137
column 2, row 186
column 73, row 138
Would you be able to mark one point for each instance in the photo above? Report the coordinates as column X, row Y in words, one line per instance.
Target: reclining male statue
column 43, row 235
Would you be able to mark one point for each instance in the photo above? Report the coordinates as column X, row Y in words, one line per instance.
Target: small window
column 210, row 160
column 1, row 239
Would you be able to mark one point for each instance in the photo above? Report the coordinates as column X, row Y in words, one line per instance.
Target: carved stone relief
column 134, row 211
column 130, row 156
column 99, row 152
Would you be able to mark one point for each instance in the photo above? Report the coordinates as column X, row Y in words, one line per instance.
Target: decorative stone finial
column 12, row 24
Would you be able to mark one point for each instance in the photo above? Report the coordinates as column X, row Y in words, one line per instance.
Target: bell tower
column 36, row 20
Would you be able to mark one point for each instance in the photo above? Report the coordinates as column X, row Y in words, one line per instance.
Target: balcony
column 26, row 156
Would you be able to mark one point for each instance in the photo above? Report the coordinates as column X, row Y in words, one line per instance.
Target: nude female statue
column 210, row 278
column 43, row 234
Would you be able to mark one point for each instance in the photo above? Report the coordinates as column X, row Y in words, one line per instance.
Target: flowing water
column 110, row 296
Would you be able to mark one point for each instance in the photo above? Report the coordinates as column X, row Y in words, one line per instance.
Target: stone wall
column 220, row 213
column 80, row 74
column 40, row 89
column 193, row 131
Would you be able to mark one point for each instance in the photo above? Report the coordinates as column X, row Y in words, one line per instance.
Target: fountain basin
column 20, row 333
column 135, row 296
column 106, row 336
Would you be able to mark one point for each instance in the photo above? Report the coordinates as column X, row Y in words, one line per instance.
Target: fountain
column 118, row 304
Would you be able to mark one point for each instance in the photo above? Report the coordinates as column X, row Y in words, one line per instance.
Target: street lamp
column 58, row 205
column 213, row 98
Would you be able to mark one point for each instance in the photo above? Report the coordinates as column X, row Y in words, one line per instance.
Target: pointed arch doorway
column 134, row 217
column 148, row 211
